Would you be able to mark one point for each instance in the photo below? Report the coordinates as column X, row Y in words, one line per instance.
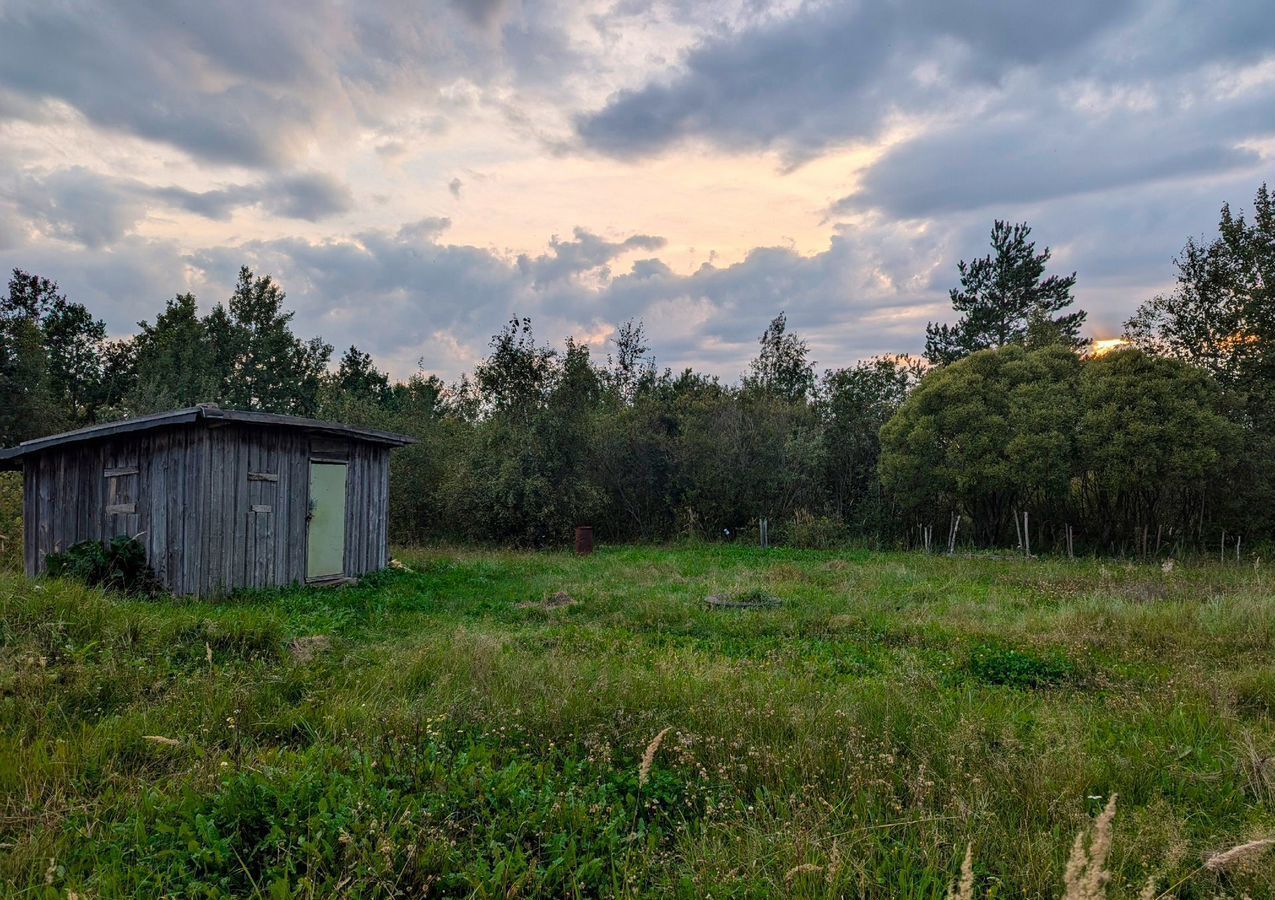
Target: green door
column 325, row 557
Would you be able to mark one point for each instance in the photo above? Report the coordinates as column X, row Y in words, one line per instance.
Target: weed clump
column 117, row 565
column 998, row 664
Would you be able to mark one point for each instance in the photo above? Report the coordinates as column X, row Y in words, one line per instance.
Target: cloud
column 1049, row 152
column 405, row 294
column 454, row 186
column 586, row 253
column 97, row 210
column 311, row 196
column 835, row 72
column 254, row 84
column 81, row 206
column 481, row 13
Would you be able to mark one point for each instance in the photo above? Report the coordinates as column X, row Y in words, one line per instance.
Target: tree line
column 1011, row 430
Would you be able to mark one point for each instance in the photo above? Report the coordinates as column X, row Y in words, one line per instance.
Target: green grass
column 456, row 738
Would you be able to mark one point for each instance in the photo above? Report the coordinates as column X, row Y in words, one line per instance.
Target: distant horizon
column 415, row 178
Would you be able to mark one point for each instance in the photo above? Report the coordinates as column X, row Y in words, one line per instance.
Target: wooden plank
column 44, row 503
column 201, row 567
column 299, row 509
column 190, row 511
column 252, row 460
column 270, row 491
column 157, row 490
column 121, row 509
column 30, row 518
column 137, row 448
column 261, row 511
column 239, row 546
column 279, row 561
column 119, row 471
column 220, row 536
column 89, row 511
column 263, row 476
column 176, row 500
column 384, row 543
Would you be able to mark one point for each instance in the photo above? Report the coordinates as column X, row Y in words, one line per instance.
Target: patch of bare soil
column 745, row 600
column 307, row 648
column 560, row 600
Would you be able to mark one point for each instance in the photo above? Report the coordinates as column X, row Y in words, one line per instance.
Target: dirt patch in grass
column 560, row 600
column 754, row 599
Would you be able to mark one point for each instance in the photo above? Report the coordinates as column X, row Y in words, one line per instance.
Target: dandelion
column 1085, row 877
column 1238, row 857
column 648, row 758
column 965, row 889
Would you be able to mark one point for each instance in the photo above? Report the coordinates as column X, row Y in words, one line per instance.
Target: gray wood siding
column 218, row 508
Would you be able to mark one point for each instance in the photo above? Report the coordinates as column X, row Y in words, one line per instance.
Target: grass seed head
column 1086, row 877
column 964, row 890
column 1240, row 856
column 648, row 758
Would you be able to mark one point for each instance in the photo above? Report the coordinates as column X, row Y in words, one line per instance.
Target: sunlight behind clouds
column 832, row 159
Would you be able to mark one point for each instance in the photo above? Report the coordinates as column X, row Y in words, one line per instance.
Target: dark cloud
column 1053, row 152
column 482, row 13
column 96, row 210
column 79, row 205
column 256, row 84
column 310, row 196
column 832, row 72
column 454, row 186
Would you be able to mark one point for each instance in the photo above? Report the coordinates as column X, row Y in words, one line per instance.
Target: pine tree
column 1004, row 299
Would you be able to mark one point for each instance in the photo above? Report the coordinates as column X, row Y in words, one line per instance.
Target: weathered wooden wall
column 218, row 509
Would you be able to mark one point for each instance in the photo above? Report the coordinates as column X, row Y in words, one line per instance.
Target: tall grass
column 450, row 737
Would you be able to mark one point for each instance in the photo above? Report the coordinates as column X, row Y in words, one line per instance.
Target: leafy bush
column 997, row 664
column 118, row 565
column 10, row 520
column 811, row 532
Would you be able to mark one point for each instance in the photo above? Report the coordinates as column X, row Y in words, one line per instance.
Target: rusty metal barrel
column 584, row 540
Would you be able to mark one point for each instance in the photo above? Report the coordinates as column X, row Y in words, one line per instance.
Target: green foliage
column 1004, row 299
column 1153, row 439
column 449, row 740
column 811, row 532
column 116, row 565
column 1221, row 316
column 175, row 359
column 418, row 812
column 998, row 664
column 854, row 404
column 10, row 521
column 1126, row 452
column 985, row 435
column 782, row 368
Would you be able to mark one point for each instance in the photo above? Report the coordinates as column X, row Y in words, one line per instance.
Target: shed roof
column 13, row 456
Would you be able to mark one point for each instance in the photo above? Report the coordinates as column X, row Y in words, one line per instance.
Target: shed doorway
column 325, row 541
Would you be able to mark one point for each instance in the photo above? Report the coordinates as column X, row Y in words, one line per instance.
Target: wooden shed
column 222, row 499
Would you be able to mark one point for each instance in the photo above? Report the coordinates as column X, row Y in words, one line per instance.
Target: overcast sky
column 414, row 173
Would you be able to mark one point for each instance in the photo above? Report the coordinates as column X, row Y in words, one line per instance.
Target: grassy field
column 445, row 731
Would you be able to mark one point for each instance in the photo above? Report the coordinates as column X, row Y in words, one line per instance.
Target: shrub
column 117, row 565
column 10, row 520
column 811, row 532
